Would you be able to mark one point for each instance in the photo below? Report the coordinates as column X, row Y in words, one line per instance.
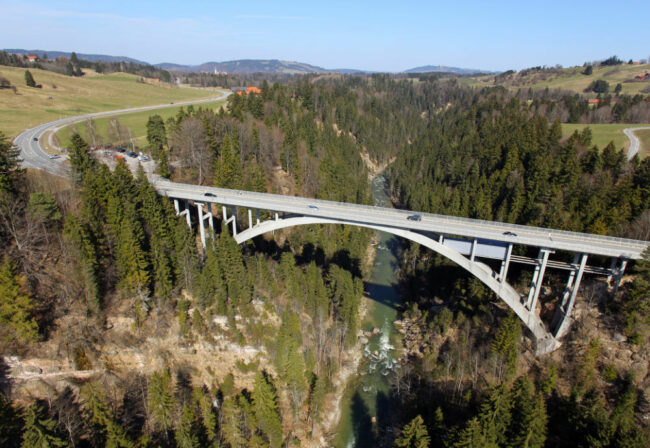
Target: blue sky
column 370, row 35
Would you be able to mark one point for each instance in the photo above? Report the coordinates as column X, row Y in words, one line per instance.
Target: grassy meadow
column 572, row 79
column 602, row 134
column 64, row 96
column 136, row 122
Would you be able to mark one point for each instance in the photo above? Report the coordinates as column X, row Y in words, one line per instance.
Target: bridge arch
column 544, row 339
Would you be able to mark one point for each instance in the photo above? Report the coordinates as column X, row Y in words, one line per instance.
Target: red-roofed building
column 32, row 58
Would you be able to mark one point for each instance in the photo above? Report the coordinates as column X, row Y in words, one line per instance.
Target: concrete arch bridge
column 464, row 241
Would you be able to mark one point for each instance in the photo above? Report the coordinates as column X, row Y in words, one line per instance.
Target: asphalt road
column 33, row 155
column 449, row 225
column 634, row 141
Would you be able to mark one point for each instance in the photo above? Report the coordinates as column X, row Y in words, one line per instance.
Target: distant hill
column 243, row 66
column 445, row 69
column 87, row 57
column 570, row 78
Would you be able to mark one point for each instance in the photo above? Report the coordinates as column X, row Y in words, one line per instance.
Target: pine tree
column 16, row 306
column 231, row 424
column 156, row 136
column 85, row 245
column 265, row 402
column 184, row 434
column 80, row 158
column 10, row 423
column 202, row 400
column 39, row 431
column 112, row 435
column 29, row 79
column 506, row 342
column 160, row 400
column 414, row 435
column 528, row 427
column 10, row 170
column 636, row 306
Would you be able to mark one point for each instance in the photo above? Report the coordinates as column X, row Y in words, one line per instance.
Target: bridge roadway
column 440, row 224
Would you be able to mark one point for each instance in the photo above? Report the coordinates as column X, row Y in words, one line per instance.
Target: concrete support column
column 199, row 207
column 188, row 218
column 250, row 219
column 211, row 218
column 257, row 216
column 176, row 207
column 619, row 276
column 277, row 217
column 566, row 319
column 473, row 252
column 224, row 213
column 569, row 284
column 538, row 277
column 505, row 264
column 234, row 221
column 559, row 310
column 612, row 270
column 441, row 239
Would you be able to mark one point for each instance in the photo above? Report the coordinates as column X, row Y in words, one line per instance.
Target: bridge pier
column 505, row 264
column 619, row 276
column 562, row 320
column 202, row 218
column 538, row 276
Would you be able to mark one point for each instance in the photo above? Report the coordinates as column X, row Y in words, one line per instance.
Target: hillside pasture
column 64, row 96
column 135, row 122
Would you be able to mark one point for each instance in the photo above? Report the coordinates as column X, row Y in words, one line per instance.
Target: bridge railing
column 585, row 237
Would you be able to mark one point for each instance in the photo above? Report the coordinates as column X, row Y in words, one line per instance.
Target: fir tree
column 184, row 434
column 10, row 423
column 39, row 431
column 160, row 400
column 111, row 434
column 80, row 158
column 29, row 79
column 16, row 306
column 231, row 426
column 414, row 435
column 266, row 410
column 506, row 342
column 10, row 169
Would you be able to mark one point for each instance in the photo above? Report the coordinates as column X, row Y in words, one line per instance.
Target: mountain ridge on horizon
column 246, row 66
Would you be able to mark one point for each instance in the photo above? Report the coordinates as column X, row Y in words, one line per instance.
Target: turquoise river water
column 366, row 405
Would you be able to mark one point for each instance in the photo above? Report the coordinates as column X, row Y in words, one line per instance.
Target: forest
column 103, row 245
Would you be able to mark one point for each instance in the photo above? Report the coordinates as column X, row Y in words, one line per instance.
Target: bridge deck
column 471, row 228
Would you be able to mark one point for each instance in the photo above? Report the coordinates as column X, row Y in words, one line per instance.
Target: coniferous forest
column 176, row 345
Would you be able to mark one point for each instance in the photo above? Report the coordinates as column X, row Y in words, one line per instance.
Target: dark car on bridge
column 417, row 218
column 509, row 233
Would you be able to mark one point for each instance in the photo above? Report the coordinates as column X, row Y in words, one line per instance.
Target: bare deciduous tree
column 189, row 143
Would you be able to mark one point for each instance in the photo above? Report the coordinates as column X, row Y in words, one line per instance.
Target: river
column 365, row 406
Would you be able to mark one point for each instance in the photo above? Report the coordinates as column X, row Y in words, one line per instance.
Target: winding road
column 634, row 141
column 33, row 156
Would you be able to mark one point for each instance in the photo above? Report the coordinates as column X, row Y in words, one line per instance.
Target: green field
column 64, row 96
column 572, row 79
column 602, row 134
column 136, row 122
